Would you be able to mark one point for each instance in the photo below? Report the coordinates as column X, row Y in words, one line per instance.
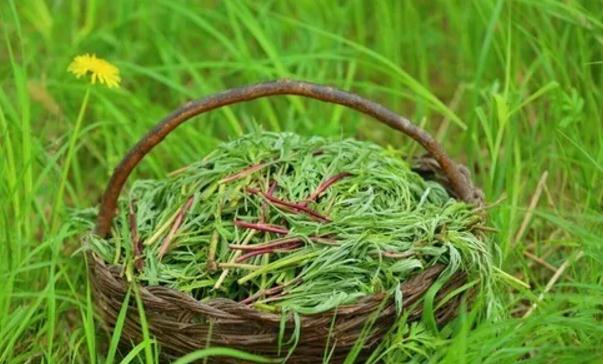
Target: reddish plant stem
column 273, row 298
column 269, row 244
column 244, row 172
column 252, row 254
column 274, row 244
column 269, row 228
column 136, row 243
column 272, row 187
column 296, row 207
column 281, row 248
column 324, row 186
column 259, row 294
column 303, row 209
column 165, row 245
column 264, row 208
column 270, row 291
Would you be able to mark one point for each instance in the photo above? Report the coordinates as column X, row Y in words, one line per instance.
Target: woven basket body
column 181, row 324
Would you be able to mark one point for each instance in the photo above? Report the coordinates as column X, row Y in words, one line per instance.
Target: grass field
column 514, row 89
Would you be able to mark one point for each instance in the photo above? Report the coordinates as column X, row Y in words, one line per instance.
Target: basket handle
column 459, row 181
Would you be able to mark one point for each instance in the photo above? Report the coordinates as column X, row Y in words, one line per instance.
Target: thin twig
column 552, row 281
column 531, row 207
column 496, row 203
column 457, row 97
column 540, row 261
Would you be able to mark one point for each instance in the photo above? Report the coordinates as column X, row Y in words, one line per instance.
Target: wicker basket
column 181, row 324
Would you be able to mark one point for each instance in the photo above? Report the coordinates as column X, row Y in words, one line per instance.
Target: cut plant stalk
column 269, row 292
column 280, row 242
column 165, row 245
column 324, row 186
column 244, row 173
column 268, row 228
column 267, row 245
column 225, row 272
column 236, row 265
column 136, row 244
column 211, row 255
column 264, row 207
column 292, row 206
column 395, row 255
column 161, row 230
column 279, row 249
column 288, row 261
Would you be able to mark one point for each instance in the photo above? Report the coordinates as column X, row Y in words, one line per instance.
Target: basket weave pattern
column 183, row 324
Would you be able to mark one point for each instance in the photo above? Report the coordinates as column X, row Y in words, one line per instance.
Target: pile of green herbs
column 283, row 222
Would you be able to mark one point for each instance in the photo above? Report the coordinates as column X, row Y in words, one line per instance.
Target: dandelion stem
column 58, row 201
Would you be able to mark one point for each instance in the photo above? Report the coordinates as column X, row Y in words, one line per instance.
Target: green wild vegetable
column 283, row 222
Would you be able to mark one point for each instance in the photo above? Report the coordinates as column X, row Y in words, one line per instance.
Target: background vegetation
column 512, row 88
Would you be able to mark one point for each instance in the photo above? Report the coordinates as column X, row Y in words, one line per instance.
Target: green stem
column 58, row 202
column 277, row 265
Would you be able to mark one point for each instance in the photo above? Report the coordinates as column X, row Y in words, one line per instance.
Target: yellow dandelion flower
column 99, row 70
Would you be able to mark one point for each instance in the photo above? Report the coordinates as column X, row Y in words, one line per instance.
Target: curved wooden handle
column 459, row 183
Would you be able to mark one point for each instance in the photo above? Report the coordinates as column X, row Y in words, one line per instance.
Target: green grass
column 512, row 88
